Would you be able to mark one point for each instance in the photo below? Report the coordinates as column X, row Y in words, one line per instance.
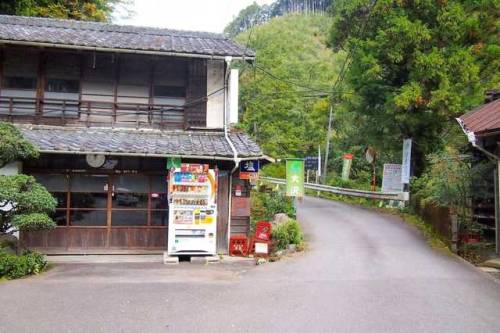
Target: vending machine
column 192, row 210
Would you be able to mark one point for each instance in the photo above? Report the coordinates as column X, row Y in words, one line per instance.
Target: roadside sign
column 405, row 172
column 249, row 170
column 295, row 177
column 311, row 163
column 346, row 166
column 391, row 180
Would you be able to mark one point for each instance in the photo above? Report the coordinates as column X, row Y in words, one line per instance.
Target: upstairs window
column 169, row 91
column 62, row 85
column 19, row 82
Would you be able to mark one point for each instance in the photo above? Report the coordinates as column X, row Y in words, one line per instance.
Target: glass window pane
column 159, row 184
column 159, row 217
column 89, row 200
column 131, row 184
column 88, row 217
column 129, row 217
column 130, row 200
column 159, row 201
column 89, row 183
column 59, row 217
column 53, row 183
column 61, row 197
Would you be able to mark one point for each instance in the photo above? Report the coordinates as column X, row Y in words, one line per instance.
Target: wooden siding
column 222, row 212
column 196, row 92
column 113, row 89
column 240, row 222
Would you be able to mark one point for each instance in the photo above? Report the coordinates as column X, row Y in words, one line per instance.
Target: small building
column 108, row 106
column 482, row 127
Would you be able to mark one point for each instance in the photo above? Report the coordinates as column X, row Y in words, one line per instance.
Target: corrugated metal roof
column 78, row 34
column 142, row 142
column 482, row 120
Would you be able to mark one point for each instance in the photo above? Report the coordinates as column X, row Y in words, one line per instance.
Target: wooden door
column 223, row 212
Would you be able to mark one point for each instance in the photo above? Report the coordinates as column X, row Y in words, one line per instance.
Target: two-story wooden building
column 107, row 105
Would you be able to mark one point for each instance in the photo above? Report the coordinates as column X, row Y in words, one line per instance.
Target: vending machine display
column 193, row 210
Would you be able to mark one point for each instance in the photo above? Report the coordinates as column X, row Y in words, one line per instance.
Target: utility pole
column 328, row 135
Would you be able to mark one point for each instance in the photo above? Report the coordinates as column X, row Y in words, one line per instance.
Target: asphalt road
column 364, row 272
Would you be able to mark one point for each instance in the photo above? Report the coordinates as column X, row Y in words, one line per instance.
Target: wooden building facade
column 132, row 98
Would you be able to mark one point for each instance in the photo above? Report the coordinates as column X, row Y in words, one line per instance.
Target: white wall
column 215, row 103
column 233, row 96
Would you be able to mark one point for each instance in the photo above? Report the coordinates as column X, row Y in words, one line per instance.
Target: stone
column 280, row 218
column 292, row 248
column 170, row 260
column 260, row 261
column 9, row 243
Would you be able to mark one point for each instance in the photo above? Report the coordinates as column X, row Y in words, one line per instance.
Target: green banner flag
column 173, row 162
column 295, row 177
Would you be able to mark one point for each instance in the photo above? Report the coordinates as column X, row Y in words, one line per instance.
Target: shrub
column 287, row 233
column 14, row 267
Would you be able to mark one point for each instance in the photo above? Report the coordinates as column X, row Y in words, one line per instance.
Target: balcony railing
column 55, row 111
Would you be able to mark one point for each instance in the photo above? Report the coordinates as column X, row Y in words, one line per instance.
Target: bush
column 266, row 205
column 14, row 267
column 287, row 233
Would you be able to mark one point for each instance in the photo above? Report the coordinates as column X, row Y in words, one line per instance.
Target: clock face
column 95, row 160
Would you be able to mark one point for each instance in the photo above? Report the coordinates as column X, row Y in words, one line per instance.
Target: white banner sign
column 391, row 180
column 405, row 172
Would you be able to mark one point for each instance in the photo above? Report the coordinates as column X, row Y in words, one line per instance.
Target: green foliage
column 14, row 267
column 415, row 66
column 13, row 146
column 286, row 116
column 254, row 14
column 265, row 205
column 87, row 10
column 287, row 233
column 452, row 181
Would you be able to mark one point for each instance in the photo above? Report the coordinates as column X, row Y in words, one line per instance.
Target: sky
column 198, row 15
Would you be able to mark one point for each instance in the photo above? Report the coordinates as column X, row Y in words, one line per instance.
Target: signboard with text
column 391, row 180
column 249, row 170
column 311, row 163
column 405, row 172
column 295, row 177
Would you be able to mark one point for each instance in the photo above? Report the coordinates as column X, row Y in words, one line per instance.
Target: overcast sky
column 202, row 15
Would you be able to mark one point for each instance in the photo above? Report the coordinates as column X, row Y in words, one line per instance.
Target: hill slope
column 279, row 95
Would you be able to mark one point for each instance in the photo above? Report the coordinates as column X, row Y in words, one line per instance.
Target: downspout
column 236, row 159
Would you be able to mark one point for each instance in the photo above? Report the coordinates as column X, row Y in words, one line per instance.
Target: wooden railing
column 91, row 113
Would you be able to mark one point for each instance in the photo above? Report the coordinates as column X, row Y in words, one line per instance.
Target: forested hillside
column 282, row 95
column 255, row 14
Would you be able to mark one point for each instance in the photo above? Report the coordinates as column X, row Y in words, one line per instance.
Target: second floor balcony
column 62, row 87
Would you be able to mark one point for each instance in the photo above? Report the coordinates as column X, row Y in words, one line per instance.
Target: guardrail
column 398, row 196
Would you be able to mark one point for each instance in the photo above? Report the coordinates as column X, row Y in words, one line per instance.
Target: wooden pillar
column 497, row 207
column 115, row 85
column 40, row 88
column 109, row 209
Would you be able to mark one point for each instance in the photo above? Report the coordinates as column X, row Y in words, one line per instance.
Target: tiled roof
column 483, row 119
column 78, row 34
column 140, row 142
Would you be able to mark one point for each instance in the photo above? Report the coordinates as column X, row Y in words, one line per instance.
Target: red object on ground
column 238, row 245
column 263, row 231
column 262, row 235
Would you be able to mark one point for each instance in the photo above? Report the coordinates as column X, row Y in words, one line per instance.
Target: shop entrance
column 110, row 211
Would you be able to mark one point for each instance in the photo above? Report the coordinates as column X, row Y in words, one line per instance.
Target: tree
column 282, row 101
column 24, row 203
column 415, row 66
column 86, row 10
